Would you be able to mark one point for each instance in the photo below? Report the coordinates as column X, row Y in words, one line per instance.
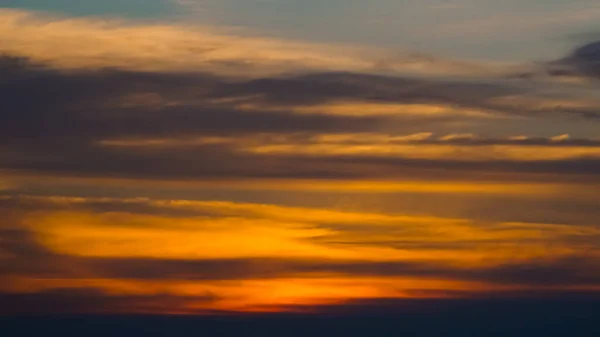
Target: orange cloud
column 359, row 108
column 231, row 230
column 100, row 43
column 291, row 257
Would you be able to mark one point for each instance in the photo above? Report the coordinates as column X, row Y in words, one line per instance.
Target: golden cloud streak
column 435, row 152
column 413, row 146
column 532, row 189
column 262, row 295
column 359, row 108
column 98, row 43
column 101, row 43
column 231, row 230
column 170, row 230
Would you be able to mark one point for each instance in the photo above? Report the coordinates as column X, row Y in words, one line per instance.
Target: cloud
column 96, row 102
column 95, row 301
column 552, row 274
column 101, row 43
column 580, row 66
column 240, row 256
column 198, row 126
column 508, row 312
column 104, row 227
column 77, row 106
column 447, row 147
column 584, row 60
column 549, row 274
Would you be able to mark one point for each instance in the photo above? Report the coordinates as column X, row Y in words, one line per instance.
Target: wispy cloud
column 296, row 256
column 168, row 168
column 96, row 43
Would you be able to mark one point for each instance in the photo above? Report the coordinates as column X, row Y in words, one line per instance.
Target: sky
column 200, row 157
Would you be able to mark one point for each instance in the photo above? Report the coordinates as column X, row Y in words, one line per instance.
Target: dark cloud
column 323, row 87
column 23, row 255
column 221, row 161
column 584, row 61
column 576, row 271
column 91, row 300
column 50, row 107
column 51, row 122
column 576, row 170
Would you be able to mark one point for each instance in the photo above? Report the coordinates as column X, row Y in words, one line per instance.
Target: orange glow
column 263, row 295
column 533, row 189
column 196, row 169
column 253, row 230
column 224, row 230
column 273, row 295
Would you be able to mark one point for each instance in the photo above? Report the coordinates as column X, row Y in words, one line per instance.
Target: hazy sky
column 200, row 156
column 512, row 30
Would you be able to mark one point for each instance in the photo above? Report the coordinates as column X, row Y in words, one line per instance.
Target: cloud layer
column 154, row 168
column 117, row 246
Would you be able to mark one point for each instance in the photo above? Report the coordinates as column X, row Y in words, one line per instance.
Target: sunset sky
column 203, row 157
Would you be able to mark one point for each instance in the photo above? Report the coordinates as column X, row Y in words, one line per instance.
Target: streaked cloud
column 153, row 47
column 290, row 131
column 305, row 256
column 583, row 62
column 169, row 167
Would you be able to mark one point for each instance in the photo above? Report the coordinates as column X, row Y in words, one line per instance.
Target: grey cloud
column 531, row 312
column 573, row 271
column 578, row 170
column 323, row 87
column 219, row 161
column 92, row 301
column 584, row 60
column 51, row 122
column 51, row 106
column 23, row 255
